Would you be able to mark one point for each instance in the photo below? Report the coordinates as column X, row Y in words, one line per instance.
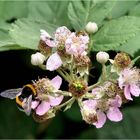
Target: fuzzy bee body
column 23, row 96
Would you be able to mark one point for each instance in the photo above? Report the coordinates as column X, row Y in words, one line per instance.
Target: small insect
column 23, row 96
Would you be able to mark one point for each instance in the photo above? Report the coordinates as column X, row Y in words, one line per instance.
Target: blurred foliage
column 118, row 21
column 119, row 30
column 81, row 12
column 115, row 36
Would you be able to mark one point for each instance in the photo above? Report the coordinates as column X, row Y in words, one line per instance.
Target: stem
column 93, row 86
column 134, row 60
column 42, row 67
column 58, row 70
column 71, row 68
column 67, row 75
column 90, row 43
column 86, row 76
column 88, row 96
column 63, row 75
column 65, row 93
column 80, row 103
column 64, row 104
column 103, row 76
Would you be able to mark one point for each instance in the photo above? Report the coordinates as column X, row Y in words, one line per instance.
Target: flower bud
column 102, row 57
column 91, row 27
column 37, row 59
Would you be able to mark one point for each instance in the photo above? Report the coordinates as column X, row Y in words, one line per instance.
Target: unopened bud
column 102, row 57
column 91, row 27
column 37, row 59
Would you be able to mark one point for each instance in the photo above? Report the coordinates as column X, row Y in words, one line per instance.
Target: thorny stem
column 66, row 103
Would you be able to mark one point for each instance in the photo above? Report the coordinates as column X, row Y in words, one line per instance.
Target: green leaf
column 132, row 46
column 6, row 42
column 121, row 8
column 26, row 33
column 128, row 128
column 12, row 47
column 13, row 9
column 4, row 25
column 135, row 11
column 54, row 12
column 116, row 33
column 81, row 12
column 5, row 39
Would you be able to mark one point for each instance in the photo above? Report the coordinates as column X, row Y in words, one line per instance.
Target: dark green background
column 16, row 71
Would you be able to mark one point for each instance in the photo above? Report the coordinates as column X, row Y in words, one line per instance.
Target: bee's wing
column 11, row 93
column 27, row 105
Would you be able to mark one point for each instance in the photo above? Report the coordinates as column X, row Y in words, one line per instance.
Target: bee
column 23, row 96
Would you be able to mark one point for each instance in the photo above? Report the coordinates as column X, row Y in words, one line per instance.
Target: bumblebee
column 23, row 96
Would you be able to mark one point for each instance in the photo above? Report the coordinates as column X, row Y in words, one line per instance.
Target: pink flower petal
column 116, row 102
column 54, row 62
column 43, row 108
column 47, row 38
column 56, row 82
column 135, row 90
column 54, row 101
column 50, row 42
column 101, row 119
column 127, row 93
column 34, row 104
column 114, row 114
column 91, row 104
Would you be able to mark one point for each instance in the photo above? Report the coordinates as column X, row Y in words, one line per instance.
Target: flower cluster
column 68, row 53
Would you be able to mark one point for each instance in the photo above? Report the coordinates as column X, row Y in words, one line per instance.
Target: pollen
column 78, row 88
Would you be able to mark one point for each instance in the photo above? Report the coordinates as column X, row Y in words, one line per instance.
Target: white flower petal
column 53, row 62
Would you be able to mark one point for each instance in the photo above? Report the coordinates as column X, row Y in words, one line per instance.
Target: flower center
column 122, row 60
column 77, row 88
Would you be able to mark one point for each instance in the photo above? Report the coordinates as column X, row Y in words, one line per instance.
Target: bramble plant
column 69, row 53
